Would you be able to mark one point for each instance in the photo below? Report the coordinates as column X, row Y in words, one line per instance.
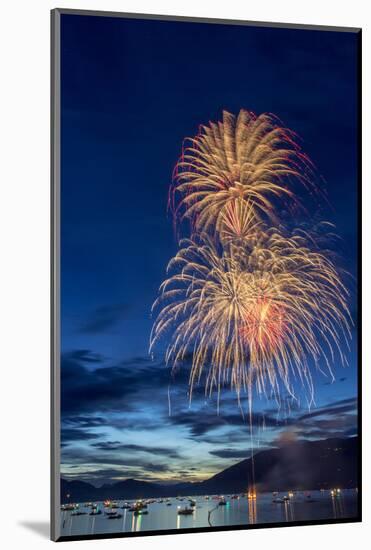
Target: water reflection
column 289, row 510
column 236, row 510
column 253, row 518
column 136, row 522
column 338, row 506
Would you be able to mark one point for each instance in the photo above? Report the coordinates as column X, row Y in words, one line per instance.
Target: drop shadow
column 41, row 528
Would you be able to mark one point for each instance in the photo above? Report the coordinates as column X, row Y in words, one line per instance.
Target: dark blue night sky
column 131, row 92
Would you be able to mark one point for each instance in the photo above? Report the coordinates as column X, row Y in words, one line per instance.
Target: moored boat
column 95, row 512
column 185, row 511
column 140, row 512
column 114, row 515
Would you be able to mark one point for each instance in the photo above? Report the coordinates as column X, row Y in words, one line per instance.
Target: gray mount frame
column 55, row 252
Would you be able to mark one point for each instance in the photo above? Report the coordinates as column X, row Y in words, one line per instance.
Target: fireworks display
column 254, row 305
column 243, row 158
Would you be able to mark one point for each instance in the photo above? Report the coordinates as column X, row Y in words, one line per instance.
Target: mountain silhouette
column 299, row 465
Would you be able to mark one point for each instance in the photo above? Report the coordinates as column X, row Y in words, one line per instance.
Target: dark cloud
column 107, row 388
column 231, row 453
column 104, row 318
column 205, row 421
column 335, row 423
column 137, row 423
column 336, row 408
column 321, row 434
column 198, row 424
column 230, row 437
column 338, row 419
column 85, row 421
column 87, row 457
column 104, row 475
column 75, row 434
column 83, row 356
column 84, row 390
column 117, row 446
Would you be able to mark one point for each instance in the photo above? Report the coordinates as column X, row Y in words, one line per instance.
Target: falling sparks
column 252, row 317
column 254, row 305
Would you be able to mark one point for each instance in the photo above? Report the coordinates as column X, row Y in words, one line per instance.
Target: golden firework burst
column 254, row 306
column 253, row 316
column 245, row 158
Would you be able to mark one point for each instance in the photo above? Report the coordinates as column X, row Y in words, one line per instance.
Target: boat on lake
column 185, row 511
column 110, row 513
column 114, row 515
column 68, row 507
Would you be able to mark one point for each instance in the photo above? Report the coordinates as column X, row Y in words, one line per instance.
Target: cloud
column 205, row 421
column 117, row 446
column 103, row 476
column 338, row 419
column 84, row 356
column 231, row 453
column 336, row 408
column 104, row 318
column 84, row 390
column 107, row 388
column 85, row 421
column 86, row 456
column 75, row 434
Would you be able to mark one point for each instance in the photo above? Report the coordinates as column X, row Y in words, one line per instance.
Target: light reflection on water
column 253, row 518
column 241, row 511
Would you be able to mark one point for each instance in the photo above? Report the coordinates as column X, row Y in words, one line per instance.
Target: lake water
column 237, row 511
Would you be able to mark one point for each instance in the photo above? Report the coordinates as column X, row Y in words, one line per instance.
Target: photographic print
column 206, row 321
